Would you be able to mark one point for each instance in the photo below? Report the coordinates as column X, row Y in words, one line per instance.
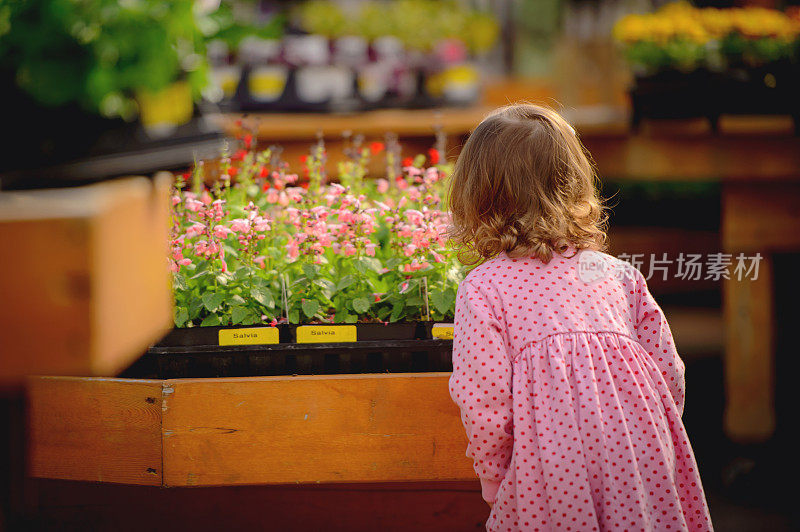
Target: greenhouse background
column 227, row 293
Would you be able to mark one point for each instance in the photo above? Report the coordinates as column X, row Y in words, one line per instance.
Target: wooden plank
column 749, row 356
column 761, row 217
column 86, row 285
column 349, row 428
column 93, row 429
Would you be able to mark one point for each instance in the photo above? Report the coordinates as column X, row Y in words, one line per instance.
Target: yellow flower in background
column 680, row 20
column 632, row 28
column 717, row 22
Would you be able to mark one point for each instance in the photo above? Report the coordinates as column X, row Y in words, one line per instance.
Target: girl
column 570, row 388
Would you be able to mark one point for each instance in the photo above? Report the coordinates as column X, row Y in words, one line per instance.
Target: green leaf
column 179, row 281
column 239, row 314
column 252, row 319
column 361, row 305
column 310, row 307
column 195, row 307
column 345, row 282
column 311, row 270
column 181, row 316
column 212, row 300
column 413, row 301
column 397, row 312
column 294, row 316
column 366, row 264
column 211, row 320
column 236, row 299
column 263, row 295
column 350, row 318
column 328, row 288
column 443, row 301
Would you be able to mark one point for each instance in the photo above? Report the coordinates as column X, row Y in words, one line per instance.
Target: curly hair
column 524, row 185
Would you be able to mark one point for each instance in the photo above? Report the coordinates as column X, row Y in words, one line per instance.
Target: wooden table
column 756, row 160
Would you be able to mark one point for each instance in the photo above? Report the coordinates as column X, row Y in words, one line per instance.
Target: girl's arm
column 481, row 386
column 655, row 336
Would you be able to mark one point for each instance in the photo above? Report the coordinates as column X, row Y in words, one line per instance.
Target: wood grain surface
column 95, row 429
column 350, row 428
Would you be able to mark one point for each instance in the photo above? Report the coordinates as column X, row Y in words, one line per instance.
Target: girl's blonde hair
column 524, row 185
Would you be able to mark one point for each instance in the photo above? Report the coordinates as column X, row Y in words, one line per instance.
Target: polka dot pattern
column 571, row 394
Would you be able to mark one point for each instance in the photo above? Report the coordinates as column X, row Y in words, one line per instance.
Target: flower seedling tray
column 298, row 350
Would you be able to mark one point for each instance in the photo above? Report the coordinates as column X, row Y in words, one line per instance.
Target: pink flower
column 193, row 205
column 224, row 265
column 349, row 249
column 240, row 225
column 383, row 186
column 220, row 231
column 438, row 257
column 283, row 199
column 409, row 250
column 175, row 200
column 185, row 262
column 370, row 249
column 195, row 229
column 272, row 196
column 402, row 202
column 261, row 224
column 173, row 267
column 293, row 250
column 414, row 216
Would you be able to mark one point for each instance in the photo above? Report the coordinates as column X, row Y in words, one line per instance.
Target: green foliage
column 99, row 54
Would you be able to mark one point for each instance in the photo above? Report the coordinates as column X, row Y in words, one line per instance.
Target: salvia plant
column 263, row 245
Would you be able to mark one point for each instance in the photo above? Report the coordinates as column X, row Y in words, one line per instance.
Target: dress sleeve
column 655, row 336
column 481, row 386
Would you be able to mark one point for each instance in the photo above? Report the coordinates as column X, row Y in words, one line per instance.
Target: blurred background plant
column 685, row 37
column 104, row 54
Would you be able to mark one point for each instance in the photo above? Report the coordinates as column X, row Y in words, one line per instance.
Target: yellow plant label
column 250, row 336
column 442, row 331
column 315, row 334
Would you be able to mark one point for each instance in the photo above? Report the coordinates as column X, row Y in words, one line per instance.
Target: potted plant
column 707, row 62
column 270, row 260
column 98, row 66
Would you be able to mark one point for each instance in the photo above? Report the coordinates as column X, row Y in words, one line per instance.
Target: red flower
column 264, row 172
column 239, row 155
column 433, row 155
column 248, row 140
column 232, row 171
column 303, row 159
column 376, row 147
column 408, row 161
column 304, row 185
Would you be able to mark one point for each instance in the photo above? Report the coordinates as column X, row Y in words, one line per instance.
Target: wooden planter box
column 245, row 431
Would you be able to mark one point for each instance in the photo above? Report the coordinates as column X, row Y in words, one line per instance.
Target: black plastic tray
column 394, row 348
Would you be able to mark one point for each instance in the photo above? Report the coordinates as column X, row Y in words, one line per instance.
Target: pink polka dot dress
column 571, row 392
